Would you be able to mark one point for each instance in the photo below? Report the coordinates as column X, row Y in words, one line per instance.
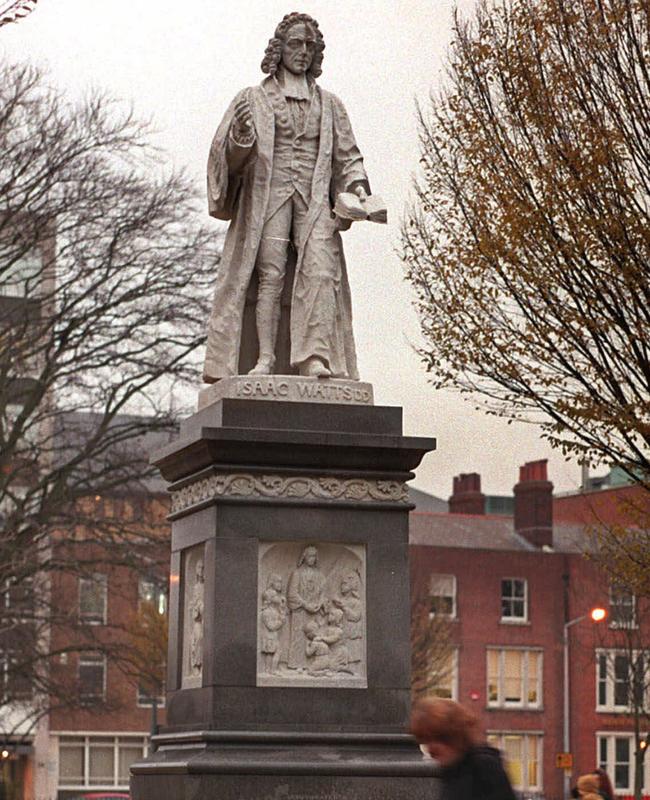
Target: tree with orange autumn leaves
column 528, row 241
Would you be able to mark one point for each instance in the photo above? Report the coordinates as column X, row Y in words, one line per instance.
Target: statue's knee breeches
column 271, row 266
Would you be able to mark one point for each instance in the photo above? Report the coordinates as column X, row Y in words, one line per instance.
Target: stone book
column 349, row 206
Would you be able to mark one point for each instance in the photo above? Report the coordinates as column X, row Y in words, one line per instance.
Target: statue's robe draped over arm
column 347, row 162
column 226, row 163
column 238, row 190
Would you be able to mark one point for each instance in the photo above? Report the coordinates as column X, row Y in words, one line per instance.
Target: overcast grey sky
column 181, row 63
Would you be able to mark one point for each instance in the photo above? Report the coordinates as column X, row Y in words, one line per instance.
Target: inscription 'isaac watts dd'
column 282, row 156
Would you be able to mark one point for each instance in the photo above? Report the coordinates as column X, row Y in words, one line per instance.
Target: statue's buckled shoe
column 314, row 368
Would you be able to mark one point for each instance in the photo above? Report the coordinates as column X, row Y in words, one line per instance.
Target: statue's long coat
column 243, row 199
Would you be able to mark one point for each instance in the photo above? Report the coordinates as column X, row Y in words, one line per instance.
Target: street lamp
column 596, row 615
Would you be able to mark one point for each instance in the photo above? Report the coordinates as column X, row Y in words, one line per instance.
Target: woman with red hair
column 605, row 787
column 470, row 770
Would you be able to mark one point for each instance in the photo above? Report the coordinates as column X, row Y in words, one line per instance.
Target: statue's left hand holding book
column 371, row 207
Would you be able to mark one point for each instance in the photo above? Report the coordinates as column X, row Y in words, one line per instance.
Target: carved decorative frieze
column 312, row 615
column 320, row 488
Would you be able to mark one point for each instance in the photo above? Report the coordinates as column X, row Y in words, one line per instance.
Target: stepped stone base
column 250, row 766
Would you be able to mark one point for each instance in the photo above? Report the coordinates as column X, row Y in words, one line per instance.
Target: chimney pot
column 534, row 504
column 467, row 497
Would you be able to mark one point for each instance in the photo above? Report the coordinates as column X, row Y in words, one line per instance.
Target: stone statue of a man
column 280, row 157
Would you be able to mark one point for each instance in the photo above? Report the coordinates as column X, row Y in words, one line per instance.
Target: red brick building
column 55, row 744
column 90, row 747
column 607, row 504
column 507, row 586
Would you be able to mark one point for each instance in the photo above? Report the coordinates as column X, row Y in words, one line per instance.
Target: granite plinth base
column 284, row 767
column 289, row 606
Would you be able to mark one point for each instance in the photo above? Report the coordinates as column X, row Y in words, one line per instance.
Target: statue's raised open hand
column 243, row 127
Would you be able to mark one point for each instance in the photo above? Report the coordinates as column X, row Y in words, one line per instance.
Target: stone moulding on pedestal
column 247, row 485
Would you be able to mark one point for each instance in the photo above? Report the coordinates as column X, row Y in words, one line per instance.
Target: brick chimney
column 467, row 497
column 534, row 504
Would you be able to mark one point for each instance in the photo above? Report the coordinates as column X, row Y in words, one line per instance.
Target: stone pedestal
column 289, row 659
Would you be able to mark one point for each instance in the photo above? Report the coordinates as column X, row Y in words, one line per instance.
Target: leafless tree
column 105, row 277
column 432, row 648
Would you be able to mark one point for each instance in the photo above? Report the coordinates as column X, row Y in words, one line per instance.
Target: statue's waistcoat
column 295, row 148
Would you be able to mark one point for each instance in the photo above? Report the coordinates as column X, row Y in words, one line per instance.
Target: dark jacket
column 479, row 775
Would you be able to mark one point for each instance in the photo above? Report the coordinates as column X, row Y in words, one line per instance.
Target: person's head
column 604, row 783
column 309, row 556
column 274, row 581
column 334, row 615
column 297, row 44
column 198, row 570
column 588, row 786
column 311, row 629
column 350, row 584
column 444, row 729
column 268, row 596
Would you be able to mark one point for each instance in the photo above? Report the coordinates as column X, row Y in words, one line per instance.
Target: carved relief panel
column 311, row 615
column 193, row 617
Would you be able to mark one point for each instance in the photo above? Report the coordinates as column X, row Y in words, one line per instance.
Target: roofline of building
column 466, row 516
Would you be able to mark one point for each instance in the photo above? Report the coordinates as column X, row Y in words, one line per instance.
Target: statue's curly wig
column 273, row 53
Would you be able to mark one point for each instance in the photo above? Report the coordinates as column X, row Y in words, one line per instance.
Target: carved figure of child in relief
column 332, row 635
column 316, row 650
column 273, row 616
column 282, row 154
column 351, row 605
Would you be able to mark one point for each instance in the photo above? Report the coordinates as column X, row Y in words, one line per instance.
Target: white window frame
column 24, row 273
column 515, row 620
column 22, row 613
column 431, row 690
column 439, row 578
column 624, row 623
column 8, row 505
column 92, row 659
column 158, row 589
column 100, row 579
column 610, row 706
column 119, row 738
column 496, row 739
column 144, row 701
column 609, row 764
column 8, row 657
column 501, row 702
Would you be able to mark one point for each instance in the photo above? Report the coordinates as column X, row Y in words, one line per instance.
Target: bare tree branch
column 105, row 280
column 528, row 239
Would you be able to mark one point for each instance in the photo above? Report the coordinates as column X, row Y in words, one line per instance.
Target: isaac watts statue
column 282, row 155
